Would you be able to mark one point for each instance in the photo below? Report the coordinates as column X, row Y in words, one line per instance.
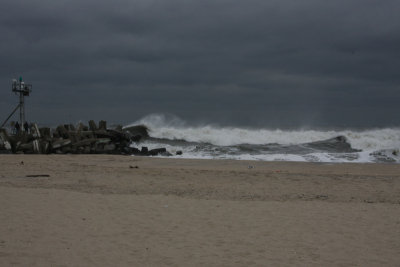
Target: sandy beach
column 104, row 210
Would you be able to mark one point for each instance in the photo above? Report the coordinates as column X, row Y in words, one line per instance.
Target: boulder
column 62, row 131
column 58, row 143
column 45, row 132
column 44, row 147
column 137, row 130
column 92, row 125
column 4, row 141
column 110, row 147
column 102, row 125
column 36, row 147
column 159, row 151
column 85, row 142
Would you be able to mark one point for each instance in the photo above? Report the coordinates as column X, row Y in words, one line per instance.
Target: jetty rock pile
column 80, row 139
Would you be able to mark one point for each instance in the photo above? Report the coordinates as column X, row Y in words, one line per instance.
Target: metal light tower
column 24, row 90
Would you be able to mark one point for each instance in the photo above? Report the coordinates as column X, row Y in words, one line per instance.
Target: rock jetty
column 79, row 139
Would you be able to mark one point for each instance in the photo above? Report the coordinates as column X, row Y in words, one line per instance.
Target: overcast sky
column 261, row 63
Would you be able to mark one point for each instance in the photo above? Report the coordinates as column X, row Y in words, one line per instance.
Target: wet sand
column 102, row 210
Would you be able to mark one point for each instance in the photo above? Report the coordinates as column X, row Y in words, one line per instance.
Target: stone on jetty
column 5, row 145
column 92, row 125
column 137, row 130
column 159, row 151
column 81, row 139
column 102, row 125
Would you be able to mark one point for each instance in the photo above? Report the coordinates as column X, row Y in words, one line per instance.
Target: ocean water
column 214, row 142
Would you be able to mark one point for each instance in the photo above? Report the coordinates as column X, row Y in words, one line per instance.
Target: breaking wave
column 212, row 141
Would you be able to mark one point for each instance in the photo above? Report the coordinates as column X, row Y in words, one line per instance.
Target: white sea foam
column 171, row 127
column 376, row 145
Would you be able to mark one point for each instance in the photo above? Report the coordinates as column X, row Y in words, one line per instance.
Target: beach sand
column 104, row 210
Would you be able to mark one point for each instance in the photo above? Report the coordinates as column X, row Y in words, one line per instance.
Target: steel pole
column 12, row 113
column 21, row 109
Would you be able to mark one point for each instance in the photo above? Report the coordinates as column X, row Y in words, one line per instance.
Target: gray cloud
column 258, row 63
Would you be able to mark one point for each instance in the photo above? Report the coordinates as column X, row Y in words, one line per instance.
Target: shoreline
column 205, row 159
column 188, row 177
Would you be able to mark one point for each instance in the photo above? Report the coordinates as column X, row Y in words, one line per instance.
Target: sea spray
column 211, row 141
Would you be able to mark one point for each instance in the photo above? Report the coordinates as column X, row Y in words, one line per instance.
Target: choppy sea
column 309, row 145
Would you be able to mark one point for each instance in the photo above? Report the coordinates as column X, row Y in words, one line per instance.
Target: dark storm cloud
column 275, row 63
